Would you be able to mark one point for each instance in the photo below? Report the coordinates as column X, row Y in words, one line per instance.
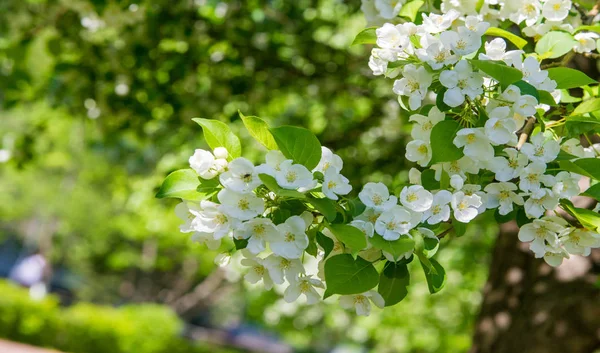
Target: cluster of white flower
column 536, row 17
column 273, row 252
column 434, row 58
column 284, row 216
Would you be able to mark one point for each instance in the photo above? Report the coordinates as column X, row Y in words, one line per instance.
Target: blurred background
column 96, row 102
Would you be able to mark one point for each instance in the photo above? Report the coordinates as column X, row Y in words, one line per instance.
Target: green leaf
column 325, row 206
column 577, row 125
column 498, row 71
column 526, row 88
column 356, row 207
column 430, row 246
column 208, row 186
column 218, row 134
column 588, row 106
column 554, row 44
column 325, row 242
column 569, row 78
column 366, row 36
column 410, row 10
column 589, row 219
column 181, row 184
column 294, row 194
column 514, row 39
column 393, row 283
column 240, row 243
column 298, row 144
column 442, row 148
column 435, row 278
column 351, row 236
column 546, row 98
column 259, row 129
column 269, row 182
column 593, row 191
column 396, row 248
column 428, row 180
column 589, row 167
column 345, row 275
column 592, row 28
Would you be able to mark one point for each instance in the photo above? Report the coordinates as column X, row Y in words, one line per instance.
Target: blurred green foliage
column 88, row 328
column 96, row 101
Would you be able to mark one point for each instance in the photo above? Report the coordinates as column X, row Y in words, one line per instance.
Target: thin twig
column 526, row 132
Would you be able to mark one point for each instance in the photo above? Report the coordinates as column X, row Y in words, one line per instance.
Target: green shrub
column 89, row 328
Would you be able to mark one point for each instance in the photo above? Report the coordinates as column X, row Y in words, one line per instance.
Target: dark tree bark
column 530, row 307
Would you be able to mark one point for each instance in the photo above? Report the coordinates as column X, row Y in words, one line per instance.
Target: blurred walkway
column 13, row 347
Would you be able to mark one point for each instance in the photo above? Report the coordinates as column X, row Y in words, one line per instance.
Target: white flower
column 292, row 240
column 465, row 206
column 361, row 303
column 475, row 142
column 335, row 184
column 418, row 151
column 329, row 160
column 508, row 168
column 416, row 198
column 475, row 189
column 494, row 50
column 554, row 256
column 257, row 272
column 567, row 185
column 258, row 231
column 434, row 53
column 414, row 176
column 414, row 84
column 463, row 42
column 556, row 10
column 522, row 10
column 461, row 82
column 389, row 37
column 364, row 226
column 439, row 210
column 532, row 72
column 502, row 195
column 580, row 241
column 281, row 268
column 207, row 239
column 395, row 222
column 532, row 176
column 421, row 130
column 371, row 214
column 203, row 162
column 303, row 285
column 573, row 146
column 294, row 176
column 476, row 25
column 389, row 9
column 377, row 196
column 434, row 23
column 539, row 202
column 542, row 233
column 500, row 128
column 541, row 149
column 183, row 212
column 240, row 206
column 459, row 167
column 212, row 219
column 273, row 158
column 221, row 153
column 241, row 176
column 586, row 42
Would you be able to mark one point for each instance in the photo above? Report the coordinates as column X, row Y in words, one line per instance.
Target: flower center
column 221, row 218
column 291, row 176
column 556, row 7
column 259, row 229
column 377, row 199
column 422, row 149
column 243, row 204
column 412, row 197
column 462, row 84
column 436, row 209
column 427, row 126
column 412, row 85
column 247, row 178
column 539, row 151
column 289, row 237
column 390, row 226
column 463, row 205
column 461, row 44
column 331, row 184
column 360, row 299
column 504, row 195
column 259, row 270
column 304, row 287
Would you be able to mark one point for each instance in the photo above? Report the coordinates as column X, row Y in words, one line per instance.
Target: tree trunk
column 530, row 307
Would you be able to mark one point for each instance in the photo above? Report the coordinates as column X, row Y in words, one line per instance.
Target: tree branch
column 527, row 129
